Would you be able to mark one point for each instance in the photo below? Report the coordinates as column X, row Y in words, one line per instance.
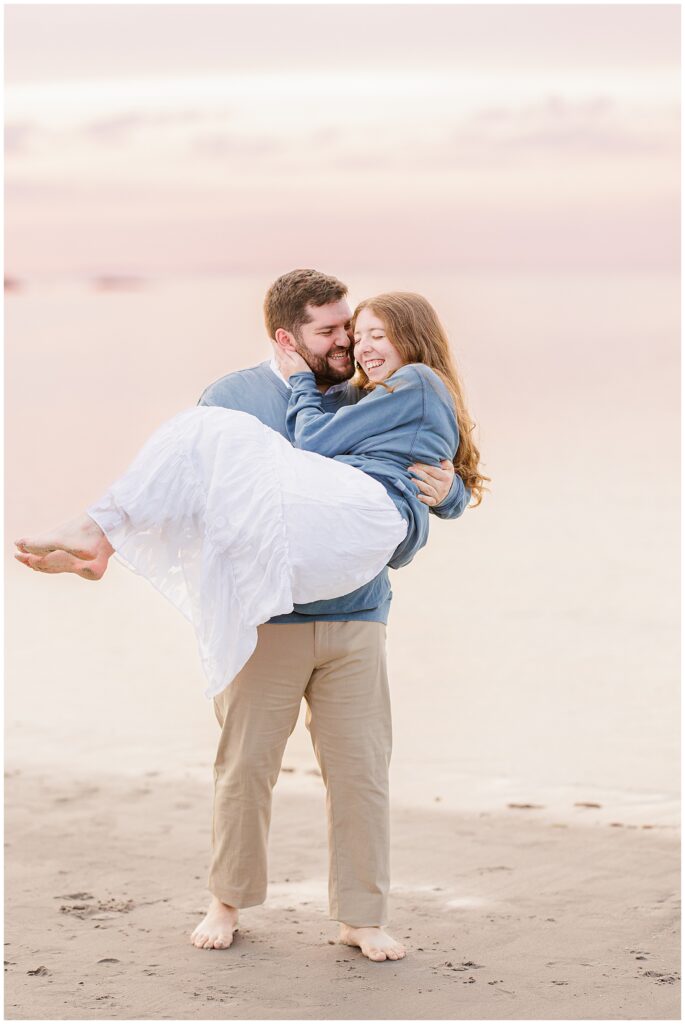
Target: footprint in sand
column 83, row 910
column 661, row 978
column 465, row 965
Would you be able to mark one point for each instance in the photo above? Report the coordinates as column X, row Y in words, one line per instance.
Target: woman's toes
column 32, row 561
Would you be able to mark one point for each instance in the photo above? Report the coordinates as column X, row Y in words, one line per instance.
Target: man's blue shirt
column 264, row 394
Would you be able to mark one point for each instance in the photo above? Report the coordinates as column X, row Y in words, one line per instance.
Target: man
column 332, row 653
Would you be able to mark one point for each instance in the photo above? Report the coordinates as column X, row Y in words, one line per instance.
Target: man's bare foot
column 373, row 942
column 215, row 931
column 61, row 561
column 81, row 537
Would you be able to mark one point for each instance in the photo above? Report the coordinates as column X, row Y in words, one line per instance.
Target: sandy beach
column 505, row 916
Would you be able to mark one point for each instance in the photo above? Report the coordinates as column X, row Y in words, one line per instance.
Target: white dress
column 234, row 525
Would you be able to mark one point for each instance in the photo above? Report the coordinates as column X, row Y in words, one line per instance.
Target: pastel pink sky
column 154, row 139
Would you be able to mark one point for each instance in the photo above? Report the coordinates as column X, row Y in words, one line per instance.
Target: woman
column 235, row 525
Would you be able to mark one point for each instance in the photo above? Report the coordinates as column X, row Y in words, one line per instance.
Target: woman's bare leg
column 81, row 537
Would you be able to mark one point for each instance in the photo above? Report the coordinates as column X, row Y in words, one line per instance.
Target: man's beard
column 323, row 371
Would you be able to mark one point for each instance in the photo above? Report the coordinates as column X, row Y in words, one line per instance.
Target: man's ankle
column 378, row 926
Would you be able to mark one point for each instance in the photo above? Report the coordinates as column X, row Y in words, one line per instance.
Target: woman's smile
column 373, row 350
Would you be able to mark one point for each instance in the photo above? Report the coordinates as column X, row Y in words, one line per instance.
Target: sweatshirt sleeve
column 456, row 501
column 337, row 433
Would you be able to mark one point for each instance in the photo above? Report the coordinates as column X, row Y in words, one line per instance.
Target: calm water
column 533, row 644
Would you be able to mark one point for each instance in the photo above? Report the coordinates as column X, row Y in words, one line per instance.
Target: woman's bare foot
column 373, row 942
column 81, row 537
column 62, row 561
column 216, row 929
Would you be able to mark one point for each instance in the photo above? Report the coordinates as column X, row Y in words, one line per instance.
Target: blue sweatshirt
column 383, row 434
column 260, row 392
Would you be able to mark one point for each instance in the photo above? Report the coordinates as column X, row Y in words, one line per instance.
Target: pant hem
column 239, row 902
column 362, row 923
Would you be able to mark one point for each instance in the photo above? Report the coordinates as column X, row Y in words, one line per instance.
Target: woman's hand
column 289, row 361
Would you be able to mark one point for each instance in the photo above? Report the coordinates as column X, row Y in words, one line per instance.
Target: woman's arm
column 338, row 433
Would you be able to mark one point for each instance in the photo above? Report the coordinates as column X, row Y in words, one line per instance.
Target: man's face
column 324, row 342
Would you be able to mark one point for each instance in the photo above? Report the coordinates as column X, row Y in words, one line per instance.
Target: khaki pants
column 340, row 670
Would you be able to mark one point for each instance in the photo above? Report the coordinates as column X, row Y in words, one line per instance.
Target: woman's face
column 373, row 350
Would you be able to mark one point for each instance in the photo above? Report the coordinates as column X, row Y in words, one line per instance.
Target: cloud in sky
column 109, row 164
column 119, row 127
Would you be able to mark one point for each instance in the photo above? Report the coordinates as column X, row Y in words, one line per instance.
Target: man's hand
column 289, row 361
column 434, row 482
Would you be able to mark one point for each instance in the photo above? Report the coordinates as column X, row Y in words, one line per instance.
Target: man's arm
column 223, row 391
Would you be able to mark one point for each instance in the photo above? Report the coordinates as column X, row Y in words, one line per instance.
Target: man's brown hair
column 287, row 298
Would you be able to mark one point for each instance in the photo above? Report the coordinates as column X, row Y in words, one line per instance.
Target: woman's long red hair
column 412, row 325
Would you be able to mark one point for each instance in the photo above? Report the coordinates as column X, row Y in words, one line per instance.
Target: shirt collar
column 273, row 365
